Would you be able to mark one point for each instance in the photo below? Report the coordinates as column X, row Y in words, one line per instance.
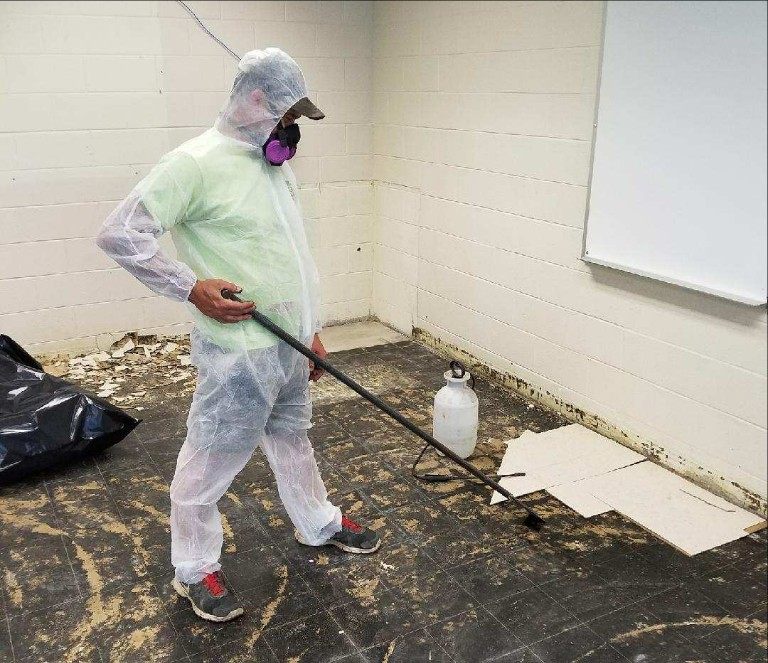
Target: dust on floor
column 84, row 552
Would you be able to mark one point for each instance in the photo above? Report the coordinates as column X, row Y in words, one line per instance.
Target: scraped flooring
column 85, row 570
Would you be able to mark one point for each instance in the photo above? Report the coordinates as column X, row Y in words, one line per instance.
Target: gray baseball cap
column 308, row 109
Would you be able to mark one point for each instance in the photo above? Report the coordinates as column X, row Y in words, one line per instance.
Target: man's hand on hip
column 206, row 296
column 317, row 347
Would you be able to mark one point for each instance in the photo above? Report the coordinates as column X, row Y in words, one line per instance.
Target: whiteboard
column 678, row 181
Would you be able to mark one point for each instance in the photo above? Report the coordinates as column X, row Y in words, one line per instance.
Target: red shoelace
column 212, row 582
column 350, row 524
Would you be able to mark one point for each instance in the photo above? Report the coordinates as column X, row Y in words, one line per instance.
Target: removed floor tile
column 593, row 475
column 686, row 516
column 560, row 456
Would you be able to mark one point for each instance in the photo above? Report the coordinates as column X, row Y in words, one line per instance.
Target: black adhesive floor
column 84, row 556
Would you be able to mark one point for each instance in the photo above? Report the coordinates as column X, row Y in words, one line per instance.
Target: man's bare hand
column 206, row 296
column 317, row 347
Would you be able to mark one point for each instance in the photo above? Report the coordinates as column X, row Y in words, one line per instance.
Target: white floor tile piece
column 518, row 486
column 562, row 455
column 519, row 457
column 593, row 475
column 526, row 451
column 577, row 497
column 583, row 467
column 687, row 517
column 583, row 441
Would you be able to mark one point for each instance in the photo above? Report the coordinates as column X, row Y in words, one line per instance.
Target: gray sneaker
column 352, row 538
column 211, row 599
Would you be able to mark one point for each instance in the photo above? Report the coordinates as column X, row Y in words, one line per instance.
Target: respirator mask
column 281, row 146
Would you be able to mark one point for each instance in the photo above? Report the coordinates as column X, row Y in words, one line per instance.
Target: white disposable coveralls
column 234, row 216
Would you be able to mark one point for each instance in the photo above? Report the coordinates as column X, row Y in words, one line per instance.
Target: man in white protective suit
column 230, row 201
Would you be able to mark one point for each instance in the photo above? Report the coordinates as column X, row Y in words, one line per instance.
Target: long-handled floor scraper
column 532, row 519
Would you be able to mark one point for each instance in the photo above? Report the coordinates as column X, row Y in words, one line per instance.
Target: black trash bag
column 46, row 421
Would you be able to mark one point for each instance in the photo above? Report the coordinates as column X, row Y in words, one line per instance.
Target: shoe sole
column 340, row 546
column 181, row 591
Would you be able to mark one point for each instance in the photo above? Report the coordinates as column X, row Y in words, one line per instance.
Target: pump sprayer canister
column 456, row 410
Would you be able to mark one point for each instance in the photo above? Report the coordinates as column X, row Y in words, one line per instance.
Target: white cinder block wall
column 483, row 124
column 93, row 93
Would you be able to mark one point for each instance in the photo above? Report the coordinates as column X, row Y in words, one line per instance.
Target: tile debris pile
column 133, row 366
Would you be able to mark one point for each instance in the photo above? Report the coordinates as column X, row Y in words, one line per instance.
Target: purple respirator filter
column 282, row 147
column 277, row 154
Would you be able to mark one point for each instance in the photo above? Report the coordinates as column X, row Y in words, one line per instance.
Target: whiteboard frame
column 603, row 262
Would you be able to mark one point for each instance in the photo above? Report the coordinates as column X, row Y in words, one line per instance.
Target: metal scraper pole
column 532, row 519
